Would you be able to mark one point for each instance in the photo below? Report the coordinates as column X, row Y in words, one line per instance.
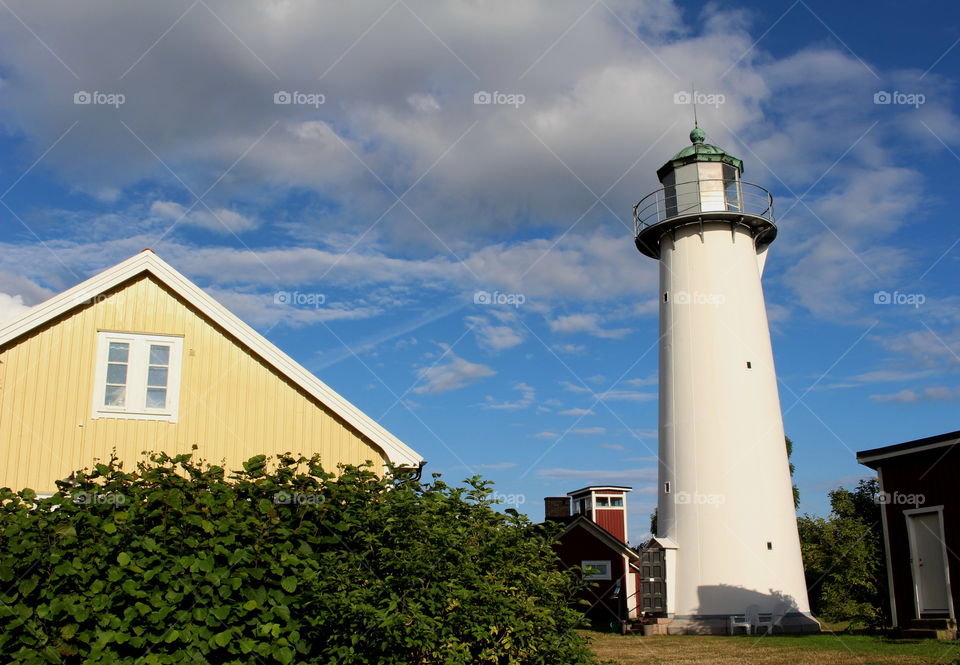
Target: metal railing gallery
column 702, row 196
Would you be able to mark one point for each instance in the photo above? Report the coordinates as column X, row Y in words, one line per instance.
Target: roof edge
column 873, row 455
column 600, row 532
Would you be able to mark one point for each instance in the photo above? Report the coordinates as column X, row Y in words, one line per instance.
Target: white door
column 929, row 566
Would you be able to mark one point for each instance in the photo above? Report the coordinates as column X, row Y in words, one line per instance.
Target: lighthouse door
column 929, row 563
column 653, row 590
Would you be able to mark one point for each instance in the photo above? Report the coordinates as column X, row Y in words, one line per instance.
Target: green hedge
column 181, row 562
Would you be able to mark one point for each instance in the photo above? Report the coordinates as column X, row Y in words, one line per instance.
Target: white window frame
column 596, row 563
column 135, row 408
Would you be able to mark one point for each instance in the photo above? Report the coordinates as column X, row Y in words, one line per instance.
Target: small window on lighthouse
column 749, row 365
column 666, row 296
column 666, row 488
column 769, row 545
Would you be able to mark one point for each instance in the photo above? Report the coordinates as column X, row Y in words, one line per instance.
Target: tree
column 843, row 557
column 793, row 468
column 653, row 521
column 180, row 562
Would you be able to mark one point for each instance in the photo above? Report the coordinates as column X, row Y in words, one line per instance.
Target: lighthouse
column 726, row 518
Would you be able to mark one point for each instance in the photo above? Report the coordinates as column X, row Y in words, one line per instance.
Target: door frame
column 914, row 569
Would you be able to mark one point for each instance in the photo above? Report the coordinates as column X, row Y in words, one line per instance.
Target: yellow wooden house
column 138, row 358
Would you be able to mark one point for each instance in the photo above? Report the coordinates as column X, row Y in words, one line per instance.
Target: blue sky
column 359, row 225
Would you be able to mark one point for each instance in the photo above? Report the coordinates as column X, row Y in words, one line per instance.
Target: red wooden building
column 595, row 541
column 921, row 527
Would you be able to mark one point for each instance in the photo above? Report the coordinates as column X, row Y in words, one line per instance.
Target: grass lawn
column 822, row 649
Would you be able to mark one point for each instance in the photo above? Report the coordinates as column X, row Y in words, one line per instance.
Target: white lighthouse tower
column 725, row 511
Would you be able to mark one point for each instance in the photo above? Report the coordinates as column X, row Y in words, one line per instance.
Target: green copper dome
column 698, row 151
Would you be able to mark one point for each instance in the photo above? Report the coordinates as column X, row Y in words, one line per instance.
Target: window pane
column 159, row 355
column 601, row 501
column 157, row 376
column 156, row 398
column 118, row 352
column 115, row 396
column 116, row 373
column 616, row 501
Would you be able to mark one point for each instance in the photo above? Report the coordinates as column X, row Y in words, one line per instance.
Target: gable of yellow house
column 138, row 358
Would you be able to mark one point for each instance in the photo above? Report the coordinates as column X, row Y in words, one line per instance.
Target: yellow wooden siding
column 232, row 404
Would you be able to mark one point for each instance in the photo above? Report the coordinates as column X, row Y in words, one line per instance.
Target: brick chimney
column 556, row 507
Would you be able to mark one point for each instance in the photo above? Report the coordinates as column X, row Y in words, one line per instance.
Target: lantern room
column 702, row 181
column 701, row 178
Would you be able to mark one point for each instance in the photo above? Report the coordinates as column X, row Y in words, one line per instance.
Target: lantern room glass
column 702, row 187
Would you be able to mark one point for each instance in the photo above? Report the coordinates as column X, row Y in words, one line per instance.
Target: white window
column 595, row 570
column 137, row 376
column 609, row 501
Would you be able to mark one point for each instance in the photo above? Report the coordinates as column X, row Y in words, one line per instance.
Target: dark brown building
column 921, row 527
column 593, row 540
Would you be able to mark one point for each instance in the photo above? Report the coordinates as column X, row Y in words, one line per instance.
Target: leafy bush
column 843, row 558
column 182, row 563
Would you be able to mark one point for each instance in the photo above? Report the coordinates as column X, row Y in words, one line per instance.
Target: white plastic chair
column 764, row 622
column 739, row 621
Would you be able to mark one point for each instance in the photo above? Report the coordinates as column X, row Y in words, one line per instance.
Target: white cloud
column 568, row 348
column 28, row 291
column 590, row 430
column 527, row 396
column 394, row 107
column 927, row 348
column 626, row 396
column 451, row 372
column 645, row 474
column 11, row 306
column 264, row 310
column 495, row 467
column 650, row 380
column 576, row 412
column 495, row 336
column 911, row 396
column 545, row 435
column 219, row 220
column 586, row 323
column 886, row 375
column 573, row 387
column 613, row 446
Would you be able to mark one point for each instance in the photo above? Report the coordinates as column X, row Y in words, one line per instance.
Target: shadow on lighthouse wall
column 723, row 600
